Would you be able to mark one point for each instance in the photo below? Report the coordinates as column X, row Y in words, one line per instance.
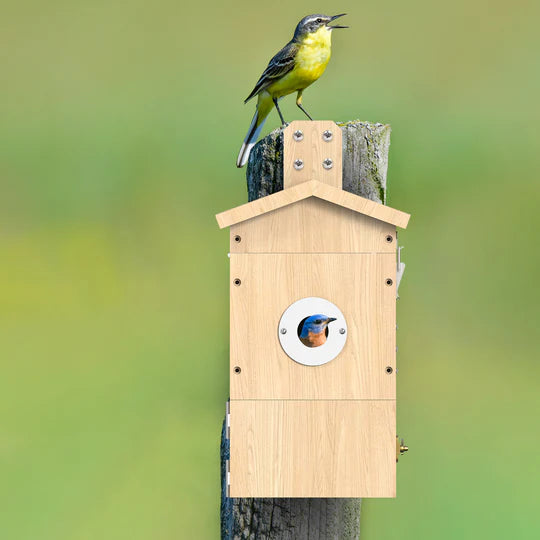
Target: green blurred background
column 120, row 126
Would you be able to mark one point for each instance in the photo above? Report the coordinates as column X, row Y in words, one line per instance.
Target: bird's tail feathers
column 251, row 138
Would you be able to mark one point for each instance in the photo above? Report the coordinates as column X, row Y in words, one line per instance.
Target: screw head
column 328, row 163
column 327, row 135
column 342, row 330
column 298, row 164
column 298, row 135
column 283, row 330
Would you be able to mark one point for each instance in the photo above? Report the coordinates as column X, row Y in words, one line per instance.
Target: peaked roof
column 313, row 188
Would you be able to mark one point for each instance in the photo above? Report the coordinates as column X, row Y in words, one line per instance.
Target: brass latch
column 400, row 448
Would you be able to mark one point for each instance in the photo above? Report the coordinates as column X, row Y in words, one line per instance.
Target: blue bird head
column 315, row 324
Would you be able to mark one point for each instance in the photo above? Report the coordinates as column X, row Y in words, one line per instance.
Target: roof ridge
column 312, row 188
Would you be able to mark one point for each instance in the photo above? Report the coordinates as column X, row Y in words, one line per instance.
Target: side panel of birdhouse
column 361, row 285
column 312, row 448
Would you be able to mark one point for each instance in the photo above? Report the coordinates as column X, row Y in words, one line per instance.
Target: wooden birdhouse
column 313, row 283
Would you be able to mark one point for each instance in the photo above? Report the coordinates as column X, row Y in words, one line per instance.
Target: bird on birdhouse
column 300, row 63
column 314, row 330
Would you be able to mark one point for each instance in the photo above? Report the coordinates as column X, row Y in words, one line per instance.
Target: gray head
column 312, row 23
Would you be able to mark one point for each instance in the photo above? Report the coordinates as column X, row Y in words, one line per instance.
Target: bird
column 313, row 332
column 300, row 63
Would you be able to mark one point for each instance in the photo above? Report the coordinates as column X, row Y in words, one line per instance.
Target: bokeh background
column 121, row 121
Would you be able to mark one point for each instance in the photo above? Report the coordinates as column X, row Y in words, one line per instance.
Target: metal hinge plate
column 228, row 477
column 400, row 269
column 228, row 420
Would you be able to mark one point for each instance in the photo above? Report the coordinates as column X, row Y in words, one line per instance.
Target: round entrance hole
column 312, row 331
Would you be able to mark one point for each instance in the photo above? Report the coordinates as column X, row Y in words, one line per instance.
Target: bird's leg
column 279, row 112
column 299, row 103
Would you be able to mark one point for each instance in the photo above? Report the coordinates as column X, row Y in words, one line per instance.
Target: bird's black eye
column 319, row 21
column 318, row 321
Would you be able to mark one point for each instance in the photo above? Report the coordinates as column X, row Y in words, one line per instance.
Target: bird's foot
column 284, row 125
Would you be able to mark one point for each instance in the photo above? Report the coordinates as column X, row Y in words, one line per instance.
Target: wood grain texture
column 312, row 150
column 285, row 518
column 298, row 228
column 313, row 448
column 355, row 283
column 312, row 188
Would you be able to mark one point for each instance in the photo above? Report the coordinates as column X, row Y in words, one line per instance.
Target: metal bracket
column 312, row 150
column 400, row 269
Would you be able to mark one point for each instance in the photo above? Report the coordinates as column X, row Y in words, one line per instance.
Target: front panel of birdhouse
column 312, row 344
column 356, row 283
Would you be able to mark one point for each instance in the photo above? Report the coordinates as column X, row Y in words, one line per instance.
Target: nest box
column 313, row 286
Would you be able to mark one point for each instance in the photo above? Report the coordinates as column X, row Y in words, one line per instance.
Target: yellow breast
column 314, row 54
column 310, row 62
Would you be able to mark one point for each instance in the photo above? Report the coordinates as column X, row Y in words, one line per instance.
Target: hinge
column 228, row 420
column 228, row 478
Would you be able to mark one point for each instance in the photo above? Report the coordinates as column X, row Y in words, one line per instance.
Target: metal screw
column 389, row 282
column 298, row 135
column 328, row 163
column 342, row 330
column 237, row 369
column 298, row 164
column 237, row 238
column 327, row 135
column 389, row 370
column 283, row 330
column 389, row 238
column 237, row 282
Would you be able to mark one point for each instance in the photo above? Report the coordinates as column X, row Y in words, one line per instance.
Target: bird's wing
column 280, row 65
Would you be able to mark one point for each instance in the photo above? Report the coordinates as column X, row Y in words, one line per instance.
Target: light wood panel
column 312, row 150
column 356, row 283
column 313, row 449
column 312, row 189
column 313, row 226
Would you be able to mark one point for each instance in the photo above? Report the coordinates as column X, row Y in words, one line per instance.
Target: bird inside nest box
column 313, row 285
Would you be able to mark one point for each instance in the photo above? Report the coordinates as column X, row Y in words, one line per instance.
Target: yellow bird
column 300, row 63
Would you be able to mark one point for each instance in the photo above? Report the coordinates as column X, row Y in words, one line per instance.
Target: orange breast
column 314, row 340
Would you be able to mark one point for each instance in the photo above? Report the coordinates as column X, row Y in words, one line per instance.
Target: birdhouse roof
column 317, row 189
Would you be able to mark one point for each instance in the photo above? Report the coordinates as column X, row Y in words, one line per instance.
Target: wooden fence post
column 365, row 163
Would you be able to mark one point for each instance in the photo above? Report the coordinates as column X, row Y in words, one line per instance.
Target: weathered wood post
column 365, row 162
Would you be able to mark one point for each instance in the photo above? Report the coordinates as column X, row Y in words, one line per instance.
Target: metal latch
column 400, row 448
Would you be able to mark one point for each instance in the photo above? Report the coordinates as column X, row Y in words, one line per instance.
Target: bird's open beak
column 330, row 319
column 336, row 25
